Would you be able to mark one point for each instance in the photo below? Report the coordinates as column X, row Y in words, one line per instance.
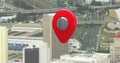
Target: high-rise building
column 56, row 48
column 3, row 45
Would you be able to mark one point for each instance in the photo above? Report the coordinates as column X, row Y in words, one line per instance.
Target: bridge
column 38, row 11
column 10, row 9
column 105, row 6
column 95, row 22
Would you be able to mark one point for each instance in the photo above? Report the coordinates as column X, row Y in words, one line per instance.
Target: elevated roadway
column 38, row 11
column 105, row 6
column 95, row 22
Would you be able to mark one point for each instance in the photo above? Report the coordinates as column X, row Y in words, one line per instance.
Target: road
column 38, row 11
column 88, row 35
column 105, row 6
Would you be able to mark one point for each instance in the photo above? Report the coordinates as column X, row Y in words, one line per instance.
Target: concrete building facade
column 38, row 53
column 3, row 45
column 56, row 48
column 115, row 51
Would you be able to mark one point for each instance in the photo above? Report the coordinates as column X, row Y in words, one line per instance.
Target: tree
column 70, row 2
column 61, row 3
column 34, row 18
column 95, row 3
column 81, row 8
column 22, row 4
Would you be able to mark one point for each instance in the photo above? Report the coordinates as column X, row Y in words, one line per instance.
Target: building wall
column 3, row 45
column 115, row 51
column 42, row 54
column 116, row 42
column 56, row 48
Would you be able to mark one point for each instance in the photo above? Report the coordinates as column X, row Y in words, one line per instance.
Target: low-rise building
column 87, row 58
column 84, row 58
column 115, row 50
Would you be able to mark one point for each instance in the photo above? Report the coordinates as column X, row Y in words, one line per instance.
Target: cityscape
column 27, row 35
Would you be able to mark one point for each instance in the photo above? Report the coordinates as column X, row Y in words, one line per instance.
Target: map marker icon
column 64, row 24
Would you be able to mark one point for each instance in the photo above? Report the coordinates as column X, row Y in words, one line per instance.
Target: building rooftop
column 117, row 36
column 15, row 57
column 35, row 30
column 26, row 34
column 85, row 57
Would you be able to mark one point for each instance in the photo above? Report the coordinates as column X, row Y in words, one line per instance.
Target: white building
column 26, row 36
column 118, row 13
column 20, row 44
column 102, row 0
column 37, row 53
column 6, row 18
column 86, row 58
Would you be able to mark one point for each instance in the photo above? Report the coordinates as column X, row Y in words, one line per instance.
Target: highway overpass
column 38, row 11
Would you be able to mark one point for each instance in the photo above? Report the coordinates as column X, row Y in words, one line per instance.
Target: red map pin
column 64, row 25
